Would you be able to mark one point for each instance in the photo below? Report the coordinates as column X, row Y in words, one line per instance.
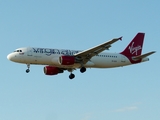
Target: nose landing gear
column 28, row 70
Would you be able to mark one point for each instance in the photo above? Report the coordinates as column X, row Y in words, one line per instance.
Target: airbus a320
column 58, row 60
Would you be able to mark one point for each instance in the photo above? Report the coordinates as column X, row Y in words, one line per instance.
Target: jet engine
column 67, row 60
column 50, row 70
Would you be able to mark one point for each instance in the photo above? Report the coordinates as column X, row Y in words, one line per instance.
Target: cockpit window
column 18, row 51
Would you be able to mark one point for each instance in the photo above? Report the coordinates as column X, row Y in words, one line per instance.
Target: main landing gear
column 82, row 70
column 71, row 76
column 28, row 70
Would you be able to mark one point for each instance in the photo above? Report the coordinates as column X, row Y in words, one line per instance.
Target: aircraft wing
column 143, row 56
column 86, row 55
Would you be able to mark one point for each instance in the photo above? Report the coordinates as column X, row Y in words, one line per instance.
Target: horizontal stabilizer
column 142, row 56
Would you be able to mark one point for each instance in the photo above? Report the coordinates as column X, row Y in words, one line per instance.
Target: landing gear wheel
column 71, row 76
column 83, row 69
column 28, row 66
column 27, row 71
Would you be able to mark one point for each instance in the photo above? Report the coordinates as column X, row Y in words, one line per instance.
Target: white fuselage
column 45, row 56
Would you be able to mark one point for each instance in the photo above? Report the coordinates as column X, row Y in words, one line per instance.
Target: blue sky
column 126, row 93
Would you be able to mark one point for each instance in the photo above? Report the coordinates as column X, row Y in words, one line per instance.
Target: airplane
column 58, row 60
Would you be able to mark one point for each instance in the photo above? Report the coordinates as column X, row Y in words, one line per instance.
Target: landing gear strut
column 83, row 69
column 28, row 70
column 71, row 76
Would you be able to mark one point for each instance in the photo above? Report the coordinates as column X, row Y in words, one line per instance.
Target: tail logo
column 134, row 49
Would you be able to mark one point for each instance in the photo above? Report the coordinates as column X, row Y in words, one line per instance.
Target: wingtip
column 154, row 51
column 120, row 38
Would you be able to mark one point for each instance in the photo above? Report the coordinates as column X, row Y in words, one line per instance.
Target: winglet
column 120, row 38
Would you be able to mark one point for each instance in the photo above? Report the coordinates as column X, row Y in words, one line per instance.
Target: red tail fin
column 135, row 46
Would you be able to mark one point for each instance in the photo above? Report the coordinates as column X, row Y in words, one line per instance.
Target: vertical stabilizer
column 135, row 46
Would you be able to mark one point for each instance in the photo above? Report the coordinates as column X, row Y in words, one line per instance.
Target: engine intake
column 50, row 70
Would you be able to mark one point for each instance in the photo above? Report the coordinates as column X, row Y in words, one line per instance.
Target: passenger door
column 29, row 52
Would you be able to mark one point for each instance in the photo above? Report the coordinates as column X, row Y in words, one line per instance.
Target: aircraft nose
column 10, row 57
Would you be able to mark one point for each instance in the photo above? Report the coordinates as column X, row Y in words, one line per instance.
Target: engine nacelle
column 50, row 70
column 67, row 60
